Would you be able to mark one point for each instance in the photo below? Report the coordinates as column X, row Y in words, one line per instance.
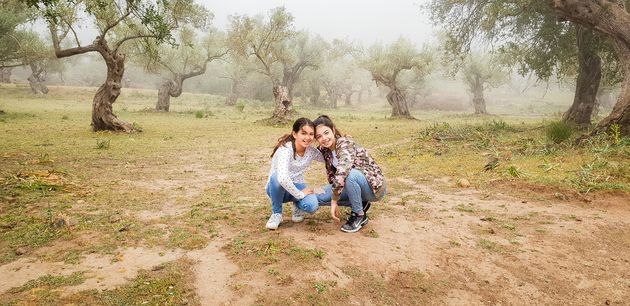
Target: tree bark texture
column 479, row 102
column 173, row 88
column 396, row 98
column 611, row 18
column 291, row 75
column 282, row 113
column 103, row 118
column 168, row 89
column 37, row 78
column 5, row 75
column 588, row 80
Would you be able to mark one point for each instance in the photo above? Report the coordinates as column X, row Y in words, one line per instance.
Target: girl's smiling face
column 303, row 138
column 325, row 136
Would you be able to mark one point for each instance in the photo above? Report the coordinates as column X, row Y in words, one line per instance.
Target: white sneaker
column 274, row 221
column 298, row 214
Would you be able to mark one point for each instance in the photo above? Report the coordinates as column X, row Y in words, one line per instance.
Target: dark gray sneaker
column 355, row 222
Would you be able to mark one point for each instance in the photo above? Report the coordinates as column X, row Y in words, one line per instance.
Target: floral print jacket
column 351, row 156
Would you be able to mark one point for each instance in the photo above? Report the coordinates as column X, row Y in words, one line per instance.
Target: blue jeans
column 279, row 195
column 356, row 191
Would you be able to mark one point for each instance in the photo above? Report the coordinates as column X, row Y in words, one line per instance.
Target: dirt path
column 470, row 248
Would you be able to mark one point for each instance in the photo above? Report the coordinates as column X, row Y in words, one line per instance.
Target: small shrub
column 102, row 144
column 64, row 117
column 199, row 114
column 240, row 106
column 559, row 131
column 514, row 171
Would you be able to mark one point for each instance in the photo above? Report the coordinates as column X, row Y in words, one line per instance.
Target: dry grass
column 186, row 181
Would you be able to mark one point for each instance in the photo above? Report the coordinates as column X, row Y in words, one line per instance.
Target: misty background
column 360, row 23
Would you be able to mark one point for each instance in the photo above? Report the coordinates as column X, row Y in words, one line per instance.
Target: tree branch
column 110, row 26
column 67, row 52
column 118, row 44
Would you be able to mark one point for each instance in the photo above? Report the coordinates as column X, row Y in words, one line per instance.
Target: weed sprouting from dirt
column 102, row 144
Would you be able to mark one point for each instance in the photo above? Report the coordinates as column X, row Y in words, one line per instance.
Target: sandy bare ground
column 474, row 247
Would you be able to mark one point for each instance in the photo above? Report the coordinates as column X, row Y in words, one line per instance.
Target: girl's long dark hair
column 297, row 126
column 326, row 121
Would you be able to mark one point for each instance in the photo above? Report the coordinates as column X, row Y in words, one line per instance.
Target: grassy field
column 175, row 214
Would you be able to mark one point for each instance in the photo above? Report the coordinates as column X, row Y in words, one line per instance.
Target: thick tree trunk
column 164, row 96
column 170, row 88
column 288, row 80
column 233, row 96
column 479, row 102
column 396, row 99
column 611, row 18
column 5, row 75
column 348, row 100
column 620, row 114
column 588, row 80
column 37, row 78
column 103, row 118
column 333, row 100
column 282, row 113
column 315, row 94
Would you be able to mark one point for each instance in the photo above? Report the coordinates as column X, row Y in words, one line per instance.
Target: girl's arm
column 345, row 160
column 282, row 172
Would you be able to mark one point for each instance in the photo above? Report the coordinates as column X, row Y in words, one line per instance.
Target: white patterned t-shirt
column 289, row 170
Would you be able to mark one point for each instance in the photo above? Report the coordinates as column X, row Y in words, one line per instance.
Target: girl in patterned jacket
column 352, row 173
column 291, row 157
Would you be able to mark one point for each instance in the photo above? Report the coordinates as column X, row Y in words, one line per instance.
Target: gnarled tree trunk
column 170, row 88
column 37, row 78
column 283, row 111
column 103, row 118
column 5, row 75
column 589, row 77
column 288, row 80
column 173, row 88
column 611, row 18
column 396, row 98
column 479, row 102
column 620, row 114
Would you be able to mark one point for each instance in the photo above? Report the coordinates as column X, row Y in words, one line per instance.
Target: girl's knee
column 309, row 204
column 355, row 176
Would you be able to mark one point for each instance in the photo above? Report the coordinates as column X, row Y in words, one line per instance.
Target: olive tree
column 117, row 22
column 480, row 73
column 387, row 63
column 528, row 35
column 263, row 38
column 611, row 18
column 20, row 46
column 187, row 59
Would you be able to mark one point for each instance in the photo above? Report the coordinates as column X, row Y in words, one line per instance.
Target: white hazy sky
column 362, row 21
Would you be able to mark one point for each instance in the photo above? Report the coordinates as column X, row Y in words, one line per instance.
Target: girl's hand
column 307, row 191
column 334, row 213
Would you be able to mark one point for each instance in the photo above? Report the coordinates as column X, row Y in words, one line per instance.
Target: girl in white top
column 290, row 159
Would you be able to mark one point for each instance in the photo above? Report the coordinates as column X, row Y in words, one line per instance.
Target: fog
column 362, row 23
